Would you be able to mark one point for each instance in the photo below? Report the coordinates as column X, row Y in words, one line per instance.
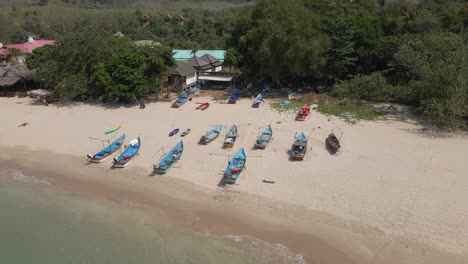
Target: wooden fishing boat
column 333, row 143
column 185, row 133
column 264, row 138
column 180, row 101
column 113, row 129
column 107, row 151
column 129, row 153
column 257, row 101
column 234, row 96
column 235, row 167
column 299, row 147
column 211, row 135
column 303, row 113
column 231, row 137
column 203, row 106
column 174, row 132
column 170, row 159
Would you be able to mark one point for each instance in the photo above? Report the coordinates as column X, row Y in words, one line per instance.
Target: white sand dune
column 387, row 175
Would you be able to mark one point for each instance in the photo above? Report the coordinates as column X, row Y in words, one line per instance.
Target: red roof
column 26, row 47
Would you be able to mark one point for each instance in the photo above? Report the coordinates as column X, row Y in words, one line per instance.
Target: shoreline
column 390, row 194
column 318, row 237
column 202, row 216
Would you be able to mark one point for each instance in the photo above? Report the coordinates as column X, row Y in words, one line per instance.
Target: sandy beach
column 393, row 193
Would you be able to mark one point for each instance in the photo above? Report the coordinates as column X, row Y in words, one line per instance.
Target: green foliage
column 436, row 65
column 350, row 110
column 373, row 87
column 342, row 55
column 280, row 39
column 38, row 56
column 131, row 71
column 88, row 61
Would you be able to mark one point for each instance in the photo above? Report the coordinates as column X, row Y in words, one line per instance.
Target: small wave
column 268, row 252
column 17, row 175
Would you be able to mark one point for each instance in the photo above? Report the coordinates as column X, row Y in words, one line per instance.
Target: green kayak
column 110, row 130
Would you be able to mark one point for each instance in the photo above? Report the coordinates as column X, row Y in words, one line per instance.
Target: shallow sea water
column 44, row 225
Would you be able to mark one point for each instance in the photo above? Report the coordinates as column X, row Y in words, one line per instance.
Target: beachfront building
column 22, row 50
column 16, row 78
column 209, row 66
column 183, row 77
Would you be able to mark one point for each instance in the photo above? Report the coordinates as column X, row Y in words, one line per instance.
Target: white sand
column 387, row 175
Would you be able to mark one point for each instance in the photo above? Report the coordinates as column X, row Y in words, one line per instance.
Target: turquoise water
column 43, row 225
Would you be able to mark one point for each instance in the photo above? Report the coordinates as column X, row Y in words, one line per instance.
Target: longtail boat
column 107, row 151
column 211, row 135
column 168, row 161
column 203, row 106
column 234, row 96
column 257, row 101
column 333, row 143
column 299, row 147
column 235, row 167
column 231, row 137
column 180, row 101
column 129, row 153
column 303, row 113
column 264, row 138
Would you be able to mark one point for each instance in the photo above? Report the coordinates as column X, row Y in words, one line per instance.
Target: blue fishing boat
column 129, row 153
column 235, row 167
column 257, row 101
column 299, row 147
column 234, row 96
column 211, row 135
column 264, row 138
column 168, row 161
column 107, row 151
column 231, row 137
column 181, row 100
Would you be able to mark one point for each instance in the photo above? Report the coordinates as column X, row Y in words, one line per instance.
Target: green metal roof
column 183, row 55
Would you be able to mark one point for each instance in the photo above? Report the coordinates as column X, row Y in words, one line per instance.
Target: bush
column 373, row 87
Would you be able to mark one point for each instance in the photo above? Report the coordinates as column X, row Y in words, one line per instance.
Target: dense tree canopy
column 87, row 61
column 410, row 52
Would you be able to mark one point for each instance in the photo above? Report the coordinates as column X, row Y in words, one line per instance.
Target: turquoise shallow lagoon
column 41, row 224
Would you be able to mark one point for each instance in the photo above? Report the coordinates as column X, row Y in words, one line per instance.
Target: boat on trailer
column 235, row 167
column 333, row 143
column 107, row 151
column 211, row 135
column 181, row 100
column 234, row 96
column 231, row 137
column 170, row 159
column 299, row 147
column 264, row 138
column 257, row 101
column 129, row 153
column 303, row 113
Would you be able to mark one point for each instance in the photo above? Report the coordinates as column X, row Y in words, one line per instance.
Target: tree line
column 413, row 53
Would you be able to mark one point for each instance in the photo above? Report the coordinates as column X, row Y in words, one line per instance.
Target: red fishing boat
column 203, row 106
column 303, row 113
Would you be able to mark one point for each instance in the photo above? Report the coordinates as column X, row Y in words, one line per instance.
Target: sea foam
column 18, row 175
column 268, row 252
